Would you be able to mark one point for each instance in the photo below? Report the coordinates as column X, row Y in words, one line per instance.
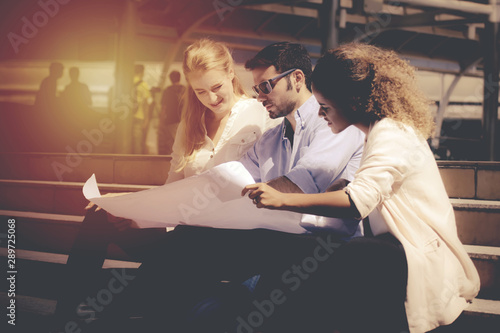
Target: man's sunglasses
column 267, row 86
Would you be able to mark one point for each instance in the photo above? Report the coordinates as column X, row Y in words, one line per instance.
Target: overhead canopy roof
column 441, row 35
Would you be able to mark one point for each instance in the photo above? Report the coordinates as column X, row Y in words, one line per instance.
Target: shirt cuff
column 303, row 179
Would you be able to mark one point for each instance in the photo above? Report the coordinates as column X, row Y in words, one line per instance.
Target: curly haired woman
column 398, row 192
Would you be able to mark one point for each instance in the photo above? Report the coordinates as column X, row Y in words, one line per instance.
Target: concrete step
column 485, row 307
column 55, row 233
column 36, row 315
column 52, row 196
column 471, row 180
column 487, row 261
column 463, row 179
column 41, row 231
column 61, row 259
column 482, row 315
column 75, row 167
column 40, row 274
column 478, row 221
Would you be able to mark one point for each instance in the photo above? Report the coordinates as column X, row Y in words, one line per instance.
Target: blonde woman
column 219, row 122
column 398, row 192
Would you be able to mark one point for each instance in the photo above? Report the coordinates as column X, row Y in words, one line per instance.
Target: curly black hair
column 371, row 83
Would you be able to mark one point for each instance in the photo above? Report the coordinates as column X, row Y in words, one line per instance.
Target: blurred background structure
column 68, row 96
column 453, row 43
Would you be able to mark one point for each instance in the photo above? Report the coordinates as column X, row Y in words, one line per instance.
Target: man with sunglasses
column 302, row 154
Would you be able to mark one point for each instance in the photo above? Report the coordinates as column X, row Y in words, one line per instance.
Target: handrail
column 461, row 6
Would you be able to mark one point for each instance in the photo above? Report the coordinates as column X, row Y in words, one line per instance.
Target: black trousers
column 309, row 282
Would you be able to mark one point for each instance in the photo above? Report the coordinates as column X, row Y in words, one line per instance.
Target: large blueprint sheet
column 211, row 199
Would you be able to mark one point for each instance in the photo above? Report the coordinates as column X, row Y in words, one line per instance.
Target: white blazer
column 399, row 185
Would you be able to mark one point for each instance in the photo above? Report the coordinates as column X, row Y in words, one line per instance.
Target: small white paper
column 90, row 189
column 210, row 199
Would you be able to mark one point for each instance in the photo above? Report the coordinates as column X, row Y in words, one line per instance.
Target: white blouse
column 246, row 123
column 399, row 185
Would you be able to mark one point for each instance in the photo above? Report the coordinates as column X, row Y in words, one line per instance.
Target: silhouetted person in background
column 142, row 98
column 152, row 123
column 170, row 116
column 46, row 97
column 76, row 94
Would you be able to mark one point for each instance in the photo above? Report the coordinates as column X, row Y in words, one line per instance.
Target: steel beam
column 329, row 30
column 459, row 6
column 124, row 76
column 443, row 104
column 491, row 80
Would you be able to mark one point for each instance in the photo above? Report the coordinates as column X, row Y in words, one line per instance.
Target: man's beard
column 288, row 108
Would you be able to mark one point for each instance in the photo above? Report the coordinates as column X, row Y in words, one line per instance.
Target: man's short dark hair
column 175, row 76
column 283, row 56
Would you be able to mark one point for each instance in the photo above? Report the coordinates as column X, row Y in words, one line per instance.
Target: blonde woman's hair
column 202, row 55
column 371, row 83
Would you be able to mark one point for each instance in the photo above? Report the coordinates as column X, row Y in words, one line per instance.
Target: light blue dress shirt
column 318, row 157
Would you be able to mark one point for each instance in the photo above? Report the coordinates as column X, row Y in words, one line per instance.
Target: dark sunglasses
column 267, row 86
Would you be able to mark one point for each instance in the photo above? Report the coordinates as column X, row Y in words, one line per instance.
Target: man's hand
column 107, row 195
column 119, row 223
column 264, row 196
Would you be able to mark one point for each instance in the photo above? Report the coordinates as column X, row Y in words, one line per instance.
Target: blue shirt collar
column 303, row 115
